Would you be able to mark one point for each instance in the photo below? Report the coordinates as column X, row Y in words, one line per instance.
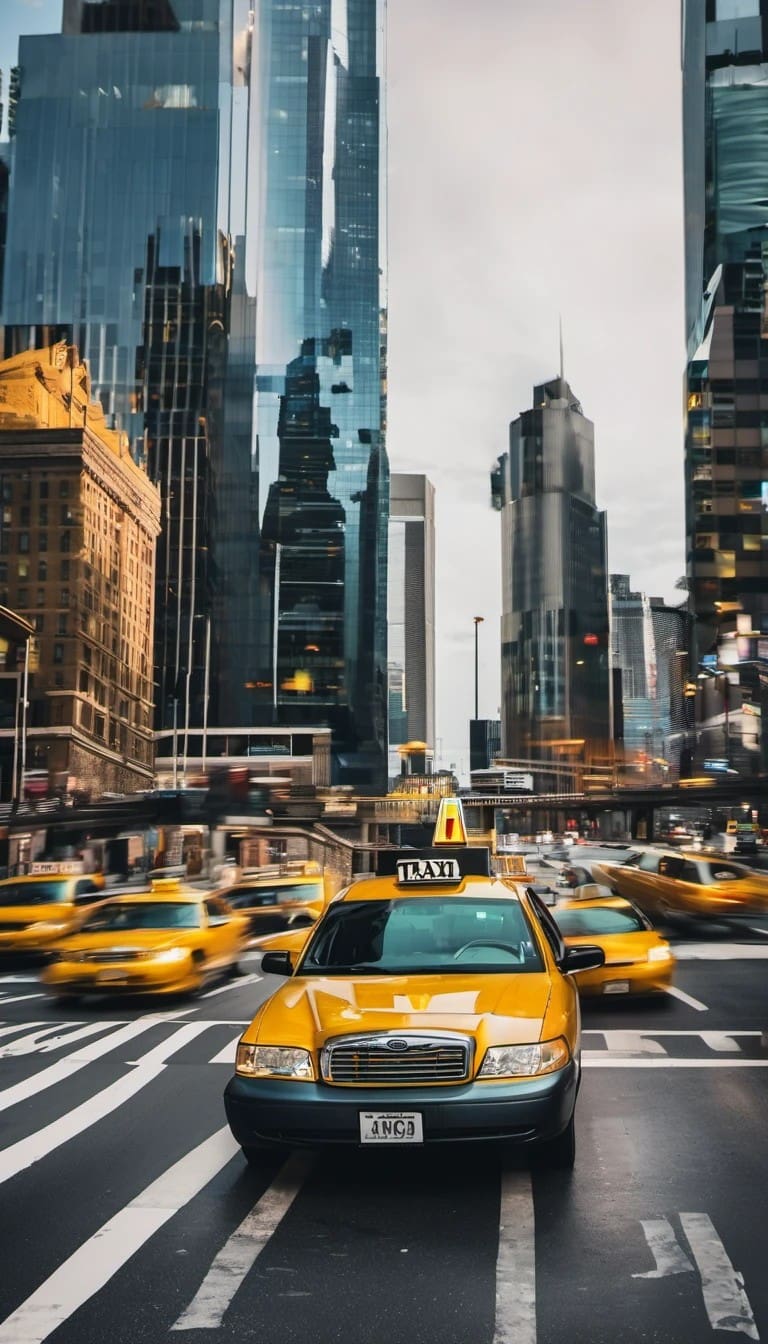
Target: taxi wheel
column 560, row 1153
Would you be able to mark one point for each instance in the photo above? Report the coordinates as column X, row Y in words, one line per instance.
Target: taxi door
column 224, row 932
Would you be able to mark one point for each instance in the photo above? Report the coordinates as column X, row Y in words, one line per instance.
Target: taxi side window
column 649, row 863
column 548, row 926
column 218, row 913
column 86, row 891
column 671, row 866
column 689, row 873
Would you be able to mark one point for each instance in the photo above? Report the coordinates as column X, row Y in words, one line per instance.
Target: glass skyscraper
column 555, row 693
column 195, row 202
column 725, row 117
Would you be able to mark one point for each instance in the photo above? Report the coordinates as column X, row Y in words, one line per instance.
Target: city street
column 130, row 1216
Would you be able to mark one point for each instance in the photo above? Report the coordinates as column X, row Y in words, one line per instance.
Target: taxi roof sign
column 450, row 828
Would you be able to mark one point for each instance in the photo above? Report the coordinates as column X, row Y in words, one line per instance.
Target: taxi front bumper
column 140, row 977
column 638, row 977
column 525, row 1110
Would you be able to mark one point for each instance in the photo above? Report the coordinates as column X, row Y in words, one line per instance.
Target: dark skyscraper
column 172, row 160
column 554, row 636
column 725, row 114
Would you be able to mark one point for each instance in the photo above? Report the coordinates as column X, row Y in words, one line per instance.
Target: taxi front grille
column 115, row 954
column 391, row 1059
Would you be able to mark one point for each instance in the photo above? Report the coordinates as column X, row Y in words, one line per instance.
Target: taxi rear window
column 427, row 935
column 248, row 898
column 595, row 921
column 35, row 893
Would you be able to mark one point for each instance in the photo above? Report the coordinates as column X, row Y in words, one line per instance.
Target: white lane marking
column 600, row 1059
column 19, row 980
column 228, row 1054
column 516, row 1263
column 65, row 1068
column 720, row 951
column 27, row 1151
column 231, row 984
column 632, row 1043
column 764, row 932
column 686, row 998
column 11, row 1027
column 664, row 1031
column 239, row 1254
column 721, row 1040
column 36, row 1042
column 99, row 1258
column 666, row 1250
column 18, row 998
column 727, row 1304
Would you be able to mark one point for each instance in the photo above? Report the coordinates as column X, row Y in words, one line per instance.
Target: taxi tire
column 67, row 1000
column 559, row 1154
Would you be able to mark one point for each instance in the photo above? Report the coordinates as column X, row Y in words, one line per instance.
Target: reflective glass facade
column 322, row 467
column 554, row 635
column 128, row 233
column 195, row 201
column 725, row 108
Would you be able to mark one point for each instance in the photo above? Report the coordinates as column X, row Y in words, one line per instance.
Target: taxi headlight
column 171, row 954
column 659, row 954
column 273, row 1061
column 516, row 1061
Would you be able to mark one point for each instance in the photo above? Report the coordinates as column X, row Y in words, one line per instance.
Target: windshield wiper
column 359, row 967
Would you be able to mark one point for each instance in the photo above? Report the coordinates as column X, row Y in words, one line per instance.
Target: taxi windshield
column 593, row 921
column 149, row 915
column 426, row 935
column 246, row 898
column 35, row 893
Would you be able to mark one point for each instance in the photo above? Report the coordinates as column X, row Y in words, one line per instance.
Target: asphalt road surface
column 130, row 1217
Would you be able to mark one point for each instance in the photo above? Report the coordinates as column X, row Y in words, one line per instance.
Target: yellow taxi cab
column 667, row 883
column 637, row 959
column 430, row 1003
column 281, row 897
column 38, row 909
column 168, row 940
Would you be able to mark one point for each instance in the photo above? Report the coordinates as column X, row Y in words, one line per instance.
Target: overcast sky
column 534, row 170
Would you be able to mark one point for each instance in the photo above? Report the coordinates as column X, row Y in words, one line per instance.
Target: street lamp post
column 478, row 622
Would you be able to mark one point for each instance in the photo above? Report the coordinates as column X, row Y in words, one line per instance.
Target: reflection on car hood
column 157, row 939
column 499, row 1009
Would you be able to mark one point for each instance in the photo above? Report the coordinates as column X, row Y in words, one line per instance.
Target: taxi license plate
column 111, row 975
column 391, row 1127
column 616, row 987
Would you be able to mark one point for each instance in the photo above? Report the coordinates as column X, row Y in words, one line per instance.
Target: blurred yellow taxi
column 701, row 885
column 430, row 1003
column 282, row 897
column 50, row 901
column 637, row 959
column 168, row 940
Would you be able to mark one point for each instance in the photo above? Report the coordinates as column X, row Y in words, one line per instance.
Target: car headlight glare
column 659, row 954
column 273, row 1061
column 172, row 954
column 523, row 1061
column 48, row 926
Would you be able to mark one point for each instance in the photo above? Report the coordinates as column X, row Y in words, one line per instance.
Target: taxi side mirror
column 587, row 957
column 277, row 963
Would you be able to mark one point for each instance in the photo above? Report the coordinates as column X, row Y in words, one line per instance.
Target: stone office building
column 77, row 559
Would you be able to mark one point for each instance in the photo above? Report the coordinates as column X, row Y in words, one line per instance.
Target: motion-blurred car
column 38, row 909
column 665, row 883
column 169, row 940
column 430, row 1003
column 284, row 897
column 637, row 959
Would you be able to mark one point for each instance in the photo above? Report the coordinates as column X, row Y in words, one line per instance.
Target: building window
column 3, row 571
column 39, row 624
column 67, row 515
column 64, row 541
column 61, row 625
column 63, row 489
column 41, row 597
column 43, row 489
column 58, row 653
column 83, row 681
column 42, row 570
column 42, row 541
column 24, row 543
column 64, row 569
column 23, row 569
column 22, row 597
column 64, row 597
column 99, row 723
column 58, row 680
column 42, row 516
column 24, row 516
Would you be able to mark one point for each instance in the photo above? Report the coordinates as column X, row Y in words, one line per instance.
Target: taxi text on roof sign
column 428, row 870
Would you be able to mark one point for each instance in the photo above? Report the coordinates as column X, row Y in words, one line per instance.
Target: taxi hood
column 125, row 939
column 495, row 1009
